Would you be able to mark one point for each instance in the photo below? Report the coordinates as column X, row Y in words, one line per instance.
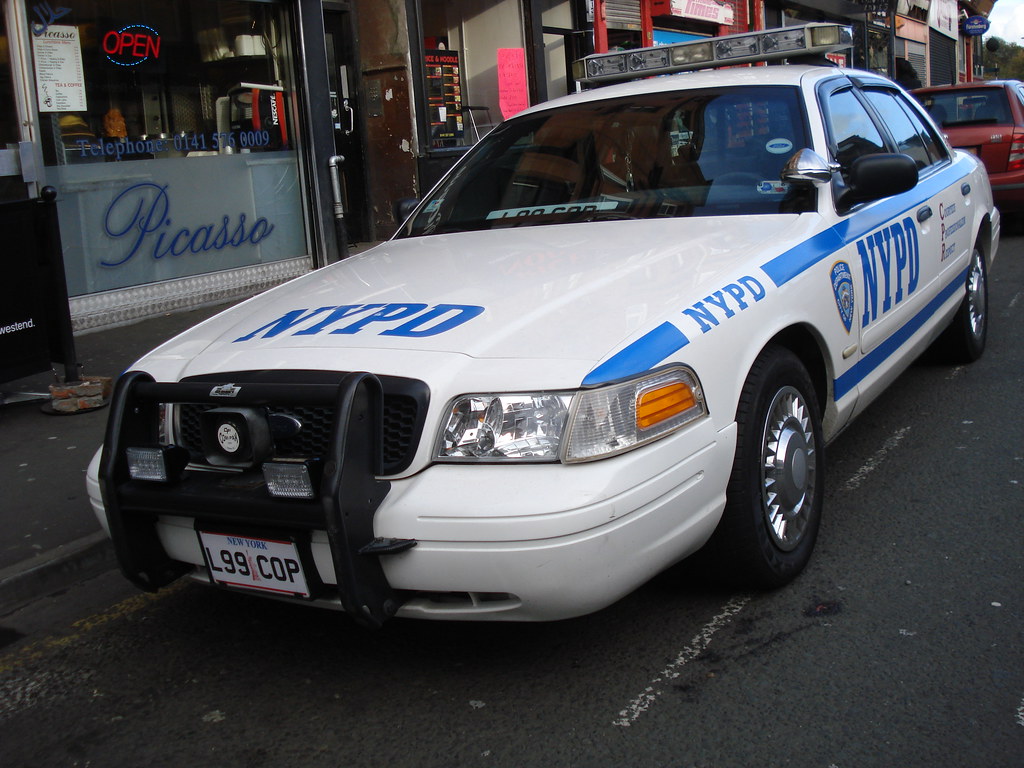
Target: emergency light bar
column 743, row 48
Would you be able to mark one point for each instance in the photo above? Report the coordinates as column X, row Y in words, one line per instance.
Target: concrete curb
column 58, row 569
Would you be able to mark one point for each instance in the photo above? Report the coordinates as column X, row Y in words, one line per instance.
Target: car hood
column 571, row 292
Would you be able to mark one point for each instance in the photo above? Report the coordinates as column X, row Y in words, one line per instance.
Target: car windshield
column 968, row 106
column 707, row 152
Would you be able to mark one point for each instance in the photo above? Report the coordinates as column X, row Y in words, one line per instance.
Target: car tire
column 963, row 341
column 774, row 496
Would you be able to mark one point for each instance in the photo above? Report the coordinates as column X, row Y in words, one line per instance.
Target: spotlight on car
column 162, row 464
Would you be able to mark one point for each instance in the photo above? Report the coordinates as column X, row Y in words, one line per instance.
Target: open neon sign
column 131, row 45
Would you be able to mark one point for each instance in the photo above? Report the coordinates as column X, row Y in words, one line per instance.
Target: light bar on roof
column 744, row 48
column 647, row 58
column 737, row 47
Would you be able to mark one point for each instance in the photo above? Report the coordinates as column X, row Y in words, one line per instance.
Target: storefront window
column 169, row 132
column 474, row 62
column 878, row 50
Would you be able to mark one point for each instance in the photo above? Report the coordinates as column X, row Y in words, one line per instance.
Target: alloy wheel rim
column 788, row 469
column 976, row 295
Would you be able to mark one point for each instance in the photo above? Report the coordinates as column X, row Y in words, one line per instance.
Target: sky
column 1007, row 19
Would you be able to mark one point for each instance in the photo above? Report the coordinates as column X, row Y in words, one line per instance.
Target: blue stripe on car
column 642, row 355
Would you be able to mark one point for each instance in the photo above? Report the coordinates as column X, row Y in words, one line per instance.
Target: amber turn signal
column 657, row 405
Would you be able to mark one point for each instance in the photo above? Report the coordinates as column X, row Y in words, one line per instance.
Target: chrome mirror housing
column 806, row 165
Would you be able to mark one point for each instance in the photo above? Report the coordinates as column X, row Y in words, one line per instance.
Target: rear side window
column 968, row 106
column 910, row 134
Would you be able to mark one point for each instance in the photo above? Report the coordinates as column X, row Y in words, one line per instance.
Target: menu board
column 444, row 97
column 60, row 82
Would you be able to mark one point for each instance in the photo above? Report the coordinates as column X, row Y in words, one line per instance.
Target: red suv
column 985, row 118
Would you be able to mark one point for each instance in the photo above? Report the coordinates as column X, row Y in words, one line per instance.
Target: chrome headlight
column 511, row 426
column 566, row 426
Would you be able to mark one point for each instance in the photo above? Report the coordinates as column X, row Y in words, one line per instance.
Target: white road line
column 872, row 463
column 1020, row 713
column 697, row 646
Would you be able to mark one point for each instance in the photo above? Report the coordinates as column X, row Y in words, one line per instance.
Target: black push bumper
column 349, row 495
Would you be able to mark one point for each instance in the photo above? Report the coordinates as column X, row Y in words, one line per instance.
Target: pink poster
column 513, row 96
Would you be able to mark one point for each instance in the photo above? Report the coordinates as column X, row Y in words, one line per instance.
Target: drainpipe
column 338, row 205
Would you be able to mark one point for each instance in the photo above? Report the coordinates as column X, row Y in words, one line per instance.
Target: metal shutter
column 622, row 14
column 917, row 55
column 941, row 59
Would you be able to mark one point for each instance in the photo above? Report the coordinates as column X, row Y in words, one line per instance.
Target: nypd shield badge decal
column 842, row 287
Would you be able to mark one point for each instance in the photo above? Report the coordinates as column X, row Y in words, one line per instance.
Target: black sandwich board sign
column 35, row 319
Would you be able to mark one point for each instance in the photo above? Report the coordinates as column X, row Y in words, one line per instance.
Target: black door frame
column 354, row 169
column 314, row 87
column 317, row 128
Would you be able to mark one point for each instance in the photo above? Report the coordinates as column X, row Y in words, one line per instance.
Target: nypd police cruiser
column 621, row 330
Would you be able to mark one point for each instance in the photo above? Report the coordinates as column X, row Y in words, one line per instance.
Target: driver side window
column 852, row 131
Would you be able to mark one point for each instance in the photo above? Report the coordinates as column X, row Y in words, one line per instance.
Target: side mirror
column 807, row 166
column 403, row 209
column 872, row 177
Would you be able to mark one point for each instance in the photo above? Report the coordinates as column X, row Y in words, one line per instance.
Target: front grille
column 403, row 414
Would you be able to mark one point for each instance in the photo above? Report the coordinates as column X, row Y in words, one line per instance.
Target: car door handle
column 923, row 214
column 965, row 189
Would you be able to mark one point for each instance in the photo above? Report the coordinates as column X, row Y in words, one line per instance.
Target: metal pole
column 892, row 39
column 338, row 206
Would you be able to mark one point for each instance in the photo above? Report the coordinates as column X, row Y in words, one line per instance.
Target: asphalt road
column 901, row 645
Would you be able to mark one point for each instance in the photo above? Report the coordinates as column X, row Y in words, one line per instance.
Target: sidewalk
column 49, row 537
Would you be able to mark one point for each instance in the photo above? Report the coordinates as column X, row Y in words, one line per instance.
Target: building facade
column 916, row 40
column 202, row 150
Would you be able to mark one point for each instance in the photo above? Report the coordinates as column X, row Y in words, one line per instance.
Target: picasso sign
column 139, row 218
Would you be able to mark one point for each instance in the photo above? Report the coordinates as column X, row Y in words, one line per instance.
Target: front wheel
column 774, row 496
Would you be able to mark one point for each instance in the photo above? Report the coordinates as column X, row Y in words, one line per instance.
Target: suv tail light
column 1016, row 161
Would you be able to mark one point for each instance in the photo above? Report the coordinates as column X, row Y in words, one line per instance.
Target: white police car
column 622, row 329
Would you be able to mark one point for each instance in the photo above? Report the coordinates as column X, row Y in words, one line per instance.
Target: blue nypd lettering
column 891, row 261
column 666, row 339
column 417, row 320
column 725, row 303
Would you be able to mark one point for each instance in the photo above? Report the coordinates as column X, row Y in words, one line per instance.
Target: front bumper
column 349, row 493
column 526, row 543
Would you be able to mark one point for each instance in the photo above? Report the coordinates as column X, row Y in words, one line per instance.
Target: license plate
column 268, row 565
column 972, row 150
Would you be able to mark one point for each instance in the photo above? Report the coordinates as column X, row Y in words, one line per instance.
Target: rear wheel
column 964, row 340
column 774, row 497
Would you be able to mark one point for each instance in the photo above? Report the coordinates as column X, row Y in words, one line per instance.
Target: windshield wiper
column 609, row 216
